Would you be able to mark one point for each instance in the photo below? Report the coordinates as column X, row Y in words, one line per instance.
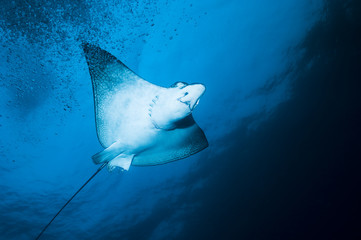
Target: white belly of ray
column 129, row 127
column 128, row 118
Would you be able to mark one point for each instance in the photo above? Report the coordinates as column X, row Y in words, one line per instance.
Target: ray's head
column 189, row 95
column 175, row 103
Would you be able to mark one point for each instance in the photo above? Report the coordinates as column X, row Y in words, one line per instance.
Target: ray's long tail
column 97, row 171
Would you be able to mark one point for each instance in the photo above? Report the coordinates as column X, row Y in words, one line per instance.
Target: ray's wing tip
column 84, row 45
column 206, row 143
column 88, row 47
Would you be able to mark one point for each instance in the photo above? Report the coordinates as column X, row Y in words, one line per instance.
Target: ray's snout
column 200, row 88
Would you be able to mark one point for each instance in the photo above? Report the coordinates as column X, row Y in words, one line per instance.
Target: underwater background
column 281, row 113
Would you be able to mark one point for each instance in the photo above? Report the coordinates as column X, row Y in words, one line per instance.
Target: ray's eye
column 186, row 93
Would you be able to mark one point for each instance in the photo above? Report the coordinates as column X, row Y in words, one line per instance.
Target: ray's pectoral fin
column 122, row 160
column 107, row 154
column 115, row 155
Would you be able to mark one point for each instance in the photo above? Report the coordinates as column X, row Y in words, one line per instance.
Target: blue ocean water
column 281, row 113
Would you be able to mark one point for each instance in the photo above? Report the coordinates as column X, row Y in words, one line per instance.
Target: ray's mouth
column 192, row 96
column 195, row 105
column 189, row 103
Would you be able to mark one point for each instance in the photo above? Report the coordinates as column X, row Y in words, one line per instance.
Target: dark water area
column 281, row 112
column 298, row 175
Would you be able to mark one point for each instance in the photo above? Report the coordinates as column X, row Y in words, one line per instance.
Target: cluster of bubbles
column 40, row 42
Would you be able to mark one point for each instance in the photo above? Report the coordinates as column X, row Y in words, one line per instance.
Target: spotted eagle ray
column 137, row 122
